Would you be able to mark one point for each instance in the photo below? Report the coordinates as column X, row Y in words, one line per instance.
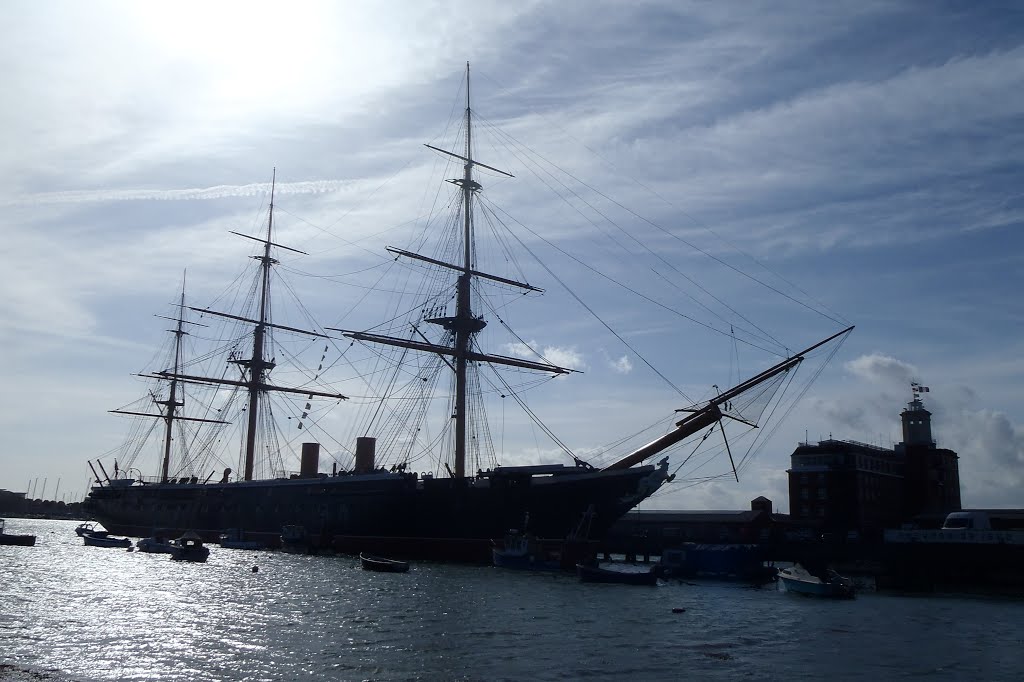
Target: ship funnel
column 310, row 460
column 366, row 448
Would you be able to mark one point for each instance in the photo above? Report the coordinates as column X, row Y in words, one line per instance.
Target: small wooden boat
column 14, row 539
column 376, row 563
column 596, row 574
column 800, row 581
column 189, row 547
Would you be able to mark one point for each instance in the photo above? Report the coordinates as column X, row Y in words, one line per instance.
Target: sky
column 865, row 157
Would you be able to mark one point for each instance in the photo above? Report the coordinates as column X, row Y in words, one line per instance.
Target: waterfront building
column 12, row 503
column 852, row 489
column 649, row 531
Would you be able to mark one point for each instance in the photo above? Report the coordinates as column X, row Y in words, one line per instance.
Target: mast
column 172, row 403
column 463, row 325
column 255, row 380
column 257, row 366
column 465, row 328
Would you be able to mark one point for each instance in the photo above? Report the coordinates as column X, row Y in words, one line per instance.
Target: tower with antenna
column 932, row 474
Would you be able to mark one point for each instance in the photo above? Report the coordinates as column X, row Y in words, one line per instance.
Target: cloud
column 623, row 365
column 882, row 369
column 991, row 451
column 569, row 358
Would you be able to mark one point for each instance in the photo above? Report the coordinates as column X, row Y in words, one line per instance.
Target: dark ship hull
column 406, row 514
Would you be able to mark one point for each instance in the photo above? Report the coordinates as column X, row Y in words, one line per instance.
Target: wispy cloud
column 190, row 194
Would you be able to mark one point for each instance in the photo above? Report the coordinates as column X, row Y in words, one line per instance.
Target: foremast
column 256, row 369
column 464, row 325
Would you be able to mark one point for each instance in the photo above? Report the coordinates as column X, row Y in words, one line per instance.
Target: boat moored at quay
column 376, row 502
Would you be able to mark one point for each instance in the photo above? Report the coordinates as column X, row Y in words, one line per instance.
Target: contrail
column 193, row 194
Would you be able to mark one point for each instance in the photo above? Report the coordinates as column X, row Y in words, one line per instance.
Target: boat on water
column 295, row 540
column 104, row 539
column 799, row 580
column 597, row 574
column 375, row 501
column 382, row 564
column 89, row 527
column 524, row 552
column 94, row 535
column 156, row 544
column 23, row 540
column 189, row 547
column 234, row 538
column 747, row 563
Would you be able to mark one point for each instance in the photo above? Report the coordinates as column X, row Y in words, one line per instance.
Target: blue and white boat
column 799, row 580
column 525, row 552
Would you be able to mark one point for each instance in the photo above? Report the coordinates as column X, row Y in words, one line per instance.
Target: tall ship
column 410, row 482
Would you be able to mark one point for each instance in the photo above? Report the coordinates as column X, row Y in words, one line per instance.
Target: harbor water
column 71, row 612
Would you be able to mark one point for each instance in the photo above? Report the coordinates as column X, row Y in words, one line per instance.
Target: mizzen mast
column 173, row 403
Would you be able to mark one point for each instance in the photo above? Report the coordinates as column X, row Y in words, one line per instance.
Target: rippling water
column 89, row 613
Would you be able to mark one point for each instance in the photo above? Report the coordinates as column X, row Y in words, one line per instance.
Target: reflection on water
column 100, row 614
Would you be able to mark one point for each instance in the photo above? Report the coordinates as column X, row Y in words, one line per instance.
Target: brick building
column 848, row 486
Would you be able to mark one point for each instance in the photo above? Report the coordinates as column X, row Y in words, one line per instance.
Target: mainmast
column 463, row 325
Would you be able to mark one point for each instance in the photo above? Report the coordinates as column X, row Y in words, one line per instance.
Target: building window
column 804, row 494
column 822, row 494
